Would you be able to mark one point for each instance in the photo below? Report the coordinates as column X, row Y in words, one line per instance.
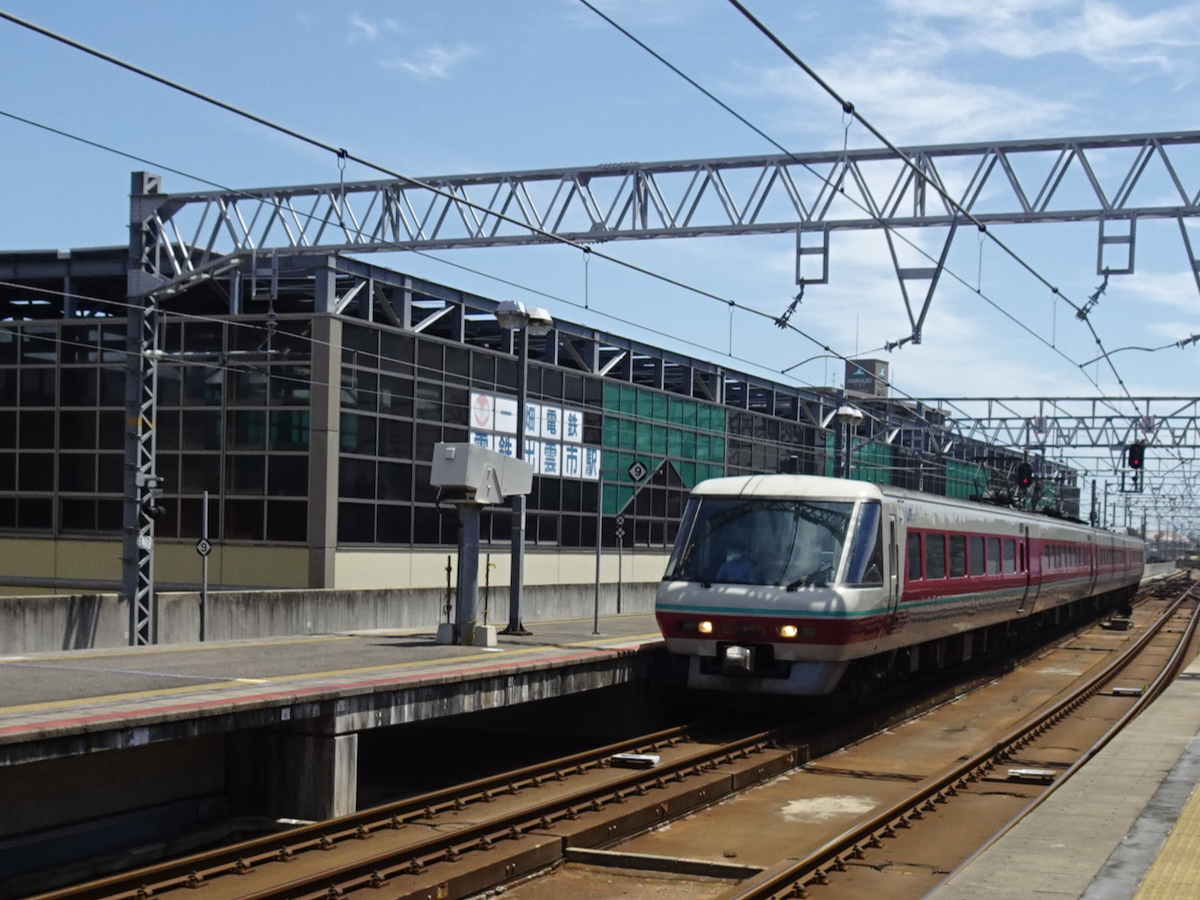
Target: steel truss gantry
column 1112, row 180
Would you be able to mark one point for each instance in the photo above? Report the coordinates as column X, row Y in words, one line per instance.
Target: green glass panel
column 674, row 442
column 703, row 415
column 645, row 405
column 660, row 407
column 612, row 431
column 687, row 473
column 612, row 396
column 644, row 438
column 689, row 412
column 689, row 445
column 658, row 439
column 717, row 419
column 628, row 438
column 676, row 412
column 716, row 448
column 703, row 447
column 628, row 400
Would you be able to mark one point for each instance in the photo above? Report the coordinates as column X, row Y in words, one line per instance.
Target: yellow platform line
column 1175, row 874
column 48, row 705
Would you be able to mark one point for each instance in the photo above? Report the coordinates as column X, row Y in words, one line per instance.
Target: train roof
column 816, row 487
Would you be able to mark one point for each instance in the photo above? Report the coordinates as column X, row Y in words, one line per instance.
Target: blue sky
column 473, row 86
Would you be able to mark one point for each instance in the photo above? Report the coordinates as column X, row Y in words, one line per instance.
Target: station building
column 305, row 394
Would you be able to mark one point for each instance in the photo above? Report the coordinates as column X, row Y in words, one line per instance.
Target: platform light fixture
column 522, row 320
column 849, row 417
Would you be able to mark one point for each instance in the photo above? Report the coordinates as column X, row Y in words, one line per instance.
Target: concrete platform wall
column 70, row 622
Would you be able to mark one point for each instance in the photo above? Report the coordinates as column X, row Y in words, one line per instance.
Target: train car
column 797, row 584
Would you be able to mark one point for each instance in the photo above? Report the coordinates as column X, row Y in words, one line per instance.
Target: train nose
column 737, row 660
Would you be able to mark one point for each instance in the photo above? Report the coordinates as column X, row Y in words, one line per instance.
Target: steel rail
column 446, row 847
column 368, row 819
column 1152, row 692
column 796, row 875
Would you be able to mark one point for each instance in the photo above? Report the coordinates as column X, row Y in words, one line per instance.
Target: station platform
column 276, row 719
column 1127, row 825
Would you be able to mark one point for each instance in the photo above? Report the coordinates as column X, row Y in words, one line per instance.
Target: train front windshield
column 734, row 540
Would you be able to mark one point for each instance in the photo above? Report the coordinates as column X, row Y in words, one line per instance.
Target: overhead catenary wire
column 849, row 109
column 342, row 154
column 781, row 322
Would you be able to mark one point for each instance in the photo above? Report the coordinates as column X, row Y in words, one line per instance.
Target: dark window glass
column 204, row 337
column 201, row 430
column 356, row 523
column 914, row 556
column 35, row 513
column 112, row 388
column 958, row 556
column 8, row 471
column 457, row 406
column 37, row 387
column 247, row 429
column 457, row 364
column 112, row 429
column 935, row 556
column 423, row 492
column 396, row 396
column 395, row 481
column 287, row 520
column 37, row 430
column 111, row 469
column 865, row 564
column 168, row 429
column 248, row 387
column 8, row 428
column 360, row 340
column 358, row 434
column 77, row 515
column 429, row 356
column 190, row 521
column 393, row 525
column 243, row 520
column 76, row 472
column 8, row 387
column 483, row 370
column 426, row 526
column 110, row 513
column 289, row 429
column 77, row 430
column 78, row 387
column 429, row 401
column 395, row 438
column 547, row 529
column 993, row 556
column 244, row 474
column 170, row 386
column 200, row 473
column 8, row 505
column 427, row 436
column 202, row 386
column 359, row 389
column 396, row 352
column 356, row 478
column 975, row 545
column 1010, row 556
column 35, row 472
column 287, row 476
column 290, row 385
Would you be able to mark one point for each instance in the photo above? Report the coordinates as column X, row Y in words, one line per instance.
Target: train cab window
column 958, row 556
column 935, row 556
column 993, row 556
column 914, row 556
column 865, row 565
column 975, row 548
column 1010, row 556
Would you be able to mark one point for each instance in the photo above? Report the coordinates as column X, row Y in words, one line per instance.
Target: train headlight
column 787, row 631
column 704, row 627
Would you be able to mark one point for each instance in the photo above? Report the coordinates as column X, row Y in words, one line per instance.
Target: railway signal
column 1137, row 455
column 1024, row 475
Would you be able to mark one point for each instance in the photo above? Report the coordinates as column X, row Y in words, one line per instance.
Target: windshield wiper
column 810, row 578
column 690, row 573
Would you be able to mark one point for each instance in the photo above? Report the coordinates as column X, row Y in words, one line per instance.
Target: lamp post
column 514, row 316
column 849, row 417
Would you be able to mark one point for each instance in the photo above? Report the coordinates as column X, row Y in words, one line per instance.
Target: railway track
column 460, row 841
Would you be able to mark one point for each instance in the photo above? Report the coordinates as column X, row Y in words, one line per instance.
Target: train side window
column 914, row 556
column 993, row 556
column 1010, row 556
column 935, row 556
column 975, row 546
column 958, row 556
column 1023, row 568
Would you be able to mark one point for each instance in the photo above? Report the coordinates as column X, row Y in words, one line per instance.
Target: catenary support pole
column 517, row 580
column 467, row 613
column 599, row 530
column 204, row 622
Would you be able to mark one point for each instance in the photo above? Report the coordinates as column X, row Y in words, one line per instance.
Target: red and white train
column 784, row 583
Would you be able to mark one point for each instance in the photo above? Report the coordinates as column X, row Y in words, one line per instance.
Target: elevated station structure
column 305, row 394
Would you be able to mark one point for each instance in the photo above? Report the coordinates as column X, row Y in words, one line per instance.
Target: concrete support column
column 323, row 437
column 306, row 772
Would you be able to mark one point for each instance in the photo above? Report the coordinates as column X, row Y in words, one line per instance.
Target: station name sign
column 553, row 436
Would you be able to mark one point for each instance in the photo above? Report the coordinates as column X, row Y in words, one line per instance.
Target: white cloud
column 434, row 61
column 368, row 30
column 1101, row 32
